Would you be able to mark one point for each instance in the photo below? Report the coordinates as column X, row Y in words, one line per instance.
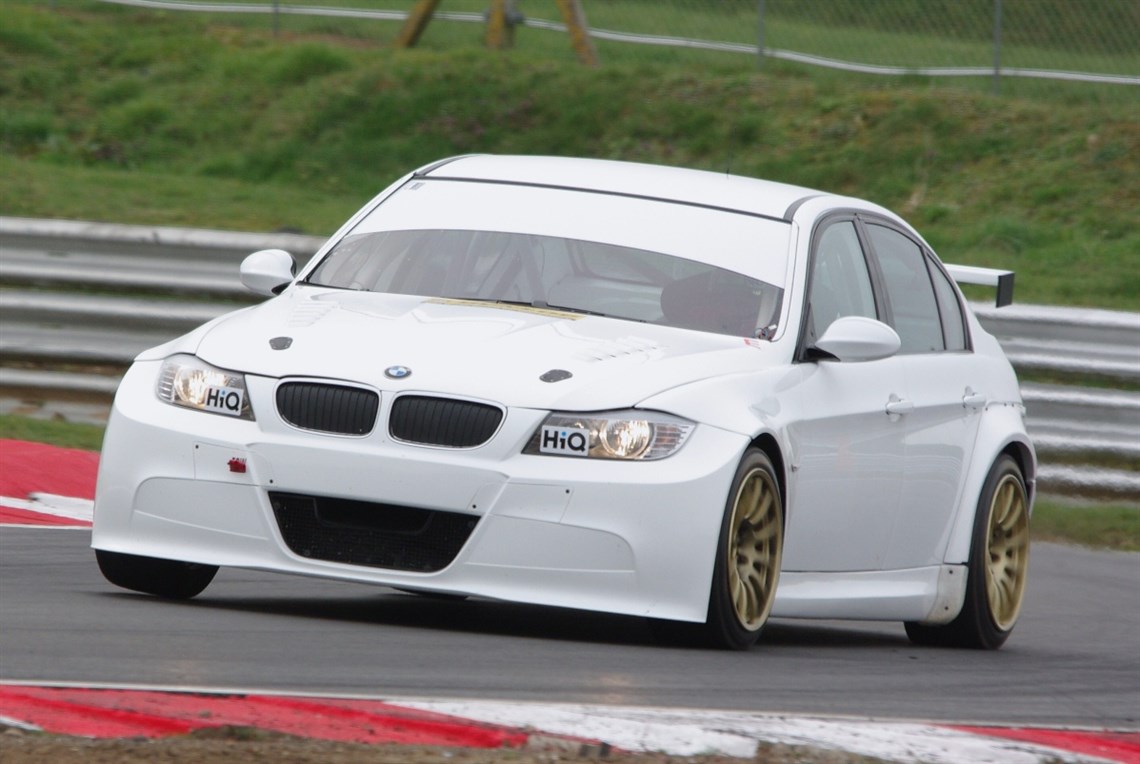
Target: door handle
column 897, row 406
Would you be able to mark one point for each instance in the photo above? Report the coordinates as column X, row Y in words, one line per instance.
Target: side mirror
column 268, row 271
column 856, row 338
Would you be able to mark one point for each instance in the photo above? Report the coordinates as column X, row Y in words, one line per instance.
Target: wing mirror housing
column 852, row 339
column 268, row 271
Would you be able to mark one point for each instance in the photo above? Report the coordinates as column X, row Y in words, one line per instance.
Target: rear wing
column 969, row 274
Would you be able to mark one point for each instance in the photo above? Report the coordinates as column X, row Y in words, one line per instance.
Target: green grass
column 142, row 116
column 65, row 434
column 1101, row 526
column 47, row 189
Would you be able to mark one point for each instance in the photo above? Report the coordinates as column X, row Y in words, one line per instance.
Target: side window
column 914, row 307
column 953, row 325
column 840, row 282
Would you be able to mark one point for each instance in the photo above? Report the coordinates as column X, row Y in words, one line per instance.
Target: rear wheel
column 748, row 555
column 165, row 578
column 997, row 569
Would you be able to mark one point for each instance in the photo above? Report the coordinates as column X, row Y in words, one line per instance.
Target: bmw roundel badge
column 397, row 372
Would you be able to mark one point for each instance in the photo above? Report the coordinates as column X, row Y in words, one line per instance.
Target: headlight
column 193, row 383
column 632, row 434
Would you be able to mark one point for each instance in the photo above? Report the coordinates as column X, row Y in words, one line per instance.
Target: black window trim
column 932, row 262
column 878, row 293
column 861, row 219
column 864, row 219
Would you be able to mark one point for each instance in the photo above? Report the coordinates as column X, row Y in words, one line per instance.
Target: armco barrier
column 61, row 338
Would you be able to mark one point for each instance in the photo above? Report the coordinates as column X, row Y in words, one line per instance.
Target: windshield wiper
column 492, row 301
column 583, row 311
column 543, row 305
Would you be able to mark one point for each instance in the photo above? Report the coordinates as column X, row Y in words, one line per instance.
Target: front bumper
column 636, row 538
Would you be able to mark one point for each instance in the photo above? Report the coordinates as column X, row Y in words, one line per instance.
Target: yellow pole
column 500, row 32
column 575, row 19
column 417, row 20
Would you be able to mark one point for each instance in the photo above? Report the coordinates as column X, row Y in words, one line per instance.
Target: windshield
column 619, row 256
column 552, row 272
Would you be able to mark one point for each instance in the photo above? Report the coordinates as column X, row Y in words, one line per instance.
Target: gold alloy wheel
column 755, row 541
column 1007, row 547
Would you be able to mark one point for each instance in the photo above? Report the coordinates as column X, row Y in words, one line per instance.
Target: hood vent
column 443, row 421
column 618, row 348
column 328, row 408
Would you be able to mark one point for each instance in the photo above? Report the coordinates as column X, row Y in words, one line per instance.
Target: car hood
column 479, row 350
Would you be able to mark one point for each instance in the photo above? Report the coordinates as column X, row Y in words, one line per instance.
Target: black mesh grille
column 374, row 535
column 442, row 421
column 328, row 408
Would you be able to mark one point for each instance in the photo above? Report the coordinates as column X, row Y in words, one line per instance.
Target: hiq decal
column 570, row 441
column 224, row 400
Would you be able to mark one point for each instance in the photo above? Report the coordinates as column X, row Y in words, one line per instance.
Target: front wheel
column 997, row 569
column 165, row 578
column 748, row 555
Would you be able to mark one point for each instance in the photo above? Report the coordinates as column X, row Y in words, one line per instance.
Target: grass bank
column 140, row 116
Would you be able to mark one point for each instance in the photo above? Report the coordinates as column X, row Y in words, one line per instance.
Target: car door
column 847, row 450
column 945, row 398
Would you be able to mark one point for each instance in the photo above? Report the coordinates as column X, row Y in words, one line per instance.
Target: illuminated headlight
column 638, row 435
column 195, row 384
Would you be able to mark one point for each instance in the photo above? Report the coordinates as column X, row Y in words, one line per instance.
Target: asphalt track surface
column 1074, row 658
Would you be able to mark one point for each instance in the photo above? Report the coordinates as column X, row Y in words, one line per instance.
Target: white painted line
column 10, row 722
column 59, row 506
column 685, row 733
column 51, row 504
column 63, row 506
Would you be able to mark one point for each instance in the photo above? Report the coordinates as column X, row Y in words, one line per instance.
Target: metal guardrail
column 79, row 300
column 1082, row 341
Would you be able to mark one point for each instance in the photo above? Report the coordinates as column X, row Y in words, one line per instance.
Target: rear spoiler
column 969, row 274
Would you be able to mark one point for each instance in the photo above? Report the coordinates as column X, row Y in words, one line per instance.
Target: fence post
column 501, row 25
column 418, row 19
column 575, row 20
column 997, row 47
column 760, row 34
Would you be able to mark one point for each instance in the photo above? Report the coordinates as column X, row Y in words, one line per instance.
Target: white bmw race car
column 668, row 393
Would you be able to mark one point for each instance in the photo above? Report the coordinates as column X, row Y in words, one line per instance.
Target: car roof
column 699, row 187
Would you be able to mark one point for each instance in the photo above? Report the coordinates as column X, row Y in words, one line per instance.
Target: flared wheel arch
column 976, row 625
column 725, row 626
column 679, row 633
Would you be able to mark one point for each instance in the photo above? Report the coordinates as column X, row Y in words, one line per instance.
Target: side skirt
column 931, row 594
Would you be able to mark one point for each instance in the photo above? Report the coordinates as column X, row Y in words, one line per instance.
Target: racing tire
column 164, row 578
column 748, row 555
column 997, row 569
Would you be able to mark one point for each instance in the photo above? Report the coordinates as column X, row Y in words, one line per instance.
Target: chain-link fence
column 1089, row 40
column 1076, row 40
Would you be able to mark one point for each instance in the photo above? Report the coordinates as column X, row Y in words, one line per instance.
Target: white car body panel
column 847, row 464
column 549, row 518
column 932, row 594
column 879, row 506
column 500, row 350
